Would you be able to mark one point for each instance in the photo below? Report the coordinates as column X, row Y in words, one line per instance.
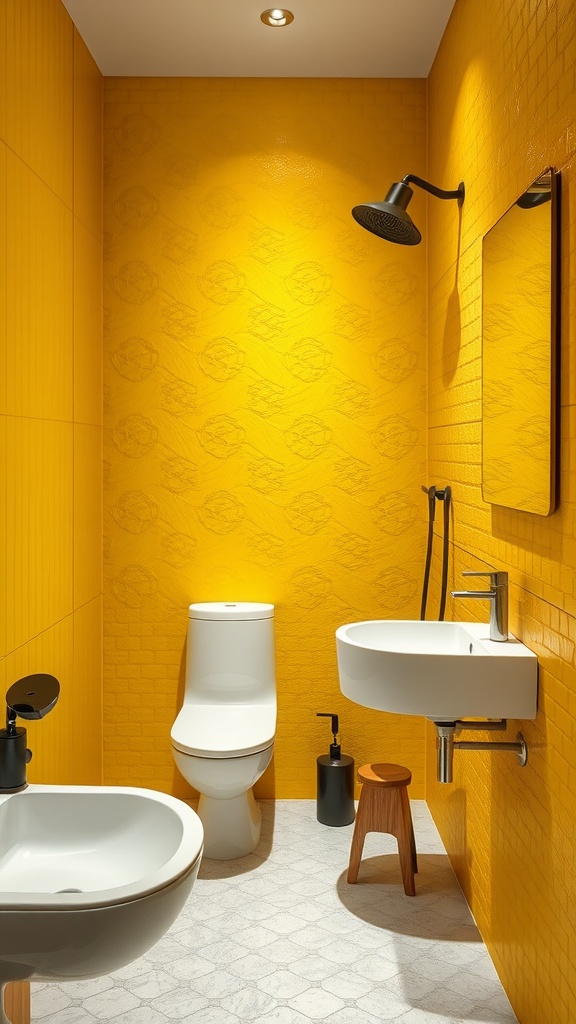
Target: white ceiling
column 225, row 38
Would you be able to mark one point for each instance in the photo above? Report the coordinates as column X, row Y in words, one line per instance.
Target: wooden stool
column 384, row 807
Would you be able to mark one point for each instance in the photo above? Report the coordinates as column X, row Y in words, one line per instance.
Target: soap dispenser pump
column 335, row 781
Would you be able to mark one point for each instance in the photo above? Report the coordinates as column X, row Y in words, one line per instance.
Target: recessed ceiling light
column 277, row 17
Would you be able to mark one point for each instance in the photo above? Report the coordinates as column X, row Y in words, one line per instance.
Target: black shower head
column 389, row 218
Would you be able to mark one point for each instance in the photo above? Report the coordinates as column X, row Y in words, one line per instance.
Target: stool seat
column 384, row 775
column 384, row 807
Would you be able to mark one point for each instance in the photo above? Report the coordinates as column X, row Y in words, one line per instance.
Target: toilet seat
column 224, row 730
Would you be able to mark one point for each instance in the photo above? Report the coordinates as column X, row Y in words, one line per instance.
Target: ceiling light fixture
column 277, row 17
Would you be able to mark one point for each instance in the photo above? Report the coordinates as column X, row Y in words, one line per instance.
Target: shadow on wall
column 451, row 340
column 452, row 337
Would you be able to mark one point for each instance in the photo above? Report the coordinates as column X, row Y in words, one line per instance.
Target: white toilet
column 223, row 737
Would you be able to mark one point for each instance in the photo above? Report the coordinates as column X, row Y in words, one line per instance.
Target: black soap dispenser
column 335, row 782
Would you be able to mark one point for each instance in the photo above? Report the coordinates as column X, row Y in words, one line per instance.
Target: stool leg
column 406, row 843
column 413, row 844
column 358, row 837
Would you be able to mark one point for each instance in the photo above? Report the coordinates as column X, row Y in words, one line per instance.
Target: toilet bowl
column 223, row 737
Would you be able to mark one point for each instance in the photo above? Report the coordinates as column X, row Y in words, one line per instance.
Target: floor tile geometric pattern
column 280, row 937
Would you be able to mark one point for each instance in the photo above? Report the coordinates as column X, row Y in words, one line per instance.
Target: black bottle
column 335, row 782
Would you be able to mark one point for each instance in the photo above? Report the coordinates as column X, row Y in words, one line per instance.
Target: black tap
column 30, row 698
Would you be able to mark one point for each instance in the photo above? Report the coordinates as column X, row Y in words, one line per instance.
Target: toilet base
column 231, row 827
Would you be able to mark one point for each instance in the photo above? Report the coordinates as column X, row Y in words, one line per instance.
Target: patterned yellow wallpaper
column 265, row 404
column 51, row 381
column 501, row 109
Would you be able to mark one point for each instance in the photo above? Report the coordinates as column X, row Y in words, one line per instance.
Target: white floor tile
column 316, row 1003
column 249, row 1003
column 283, row 985
column 348, row 985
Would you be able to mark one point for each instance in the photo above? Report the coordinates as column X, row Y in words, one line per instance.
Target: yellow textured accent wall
column 501, row 108
column 265, row 404
column 50, row 373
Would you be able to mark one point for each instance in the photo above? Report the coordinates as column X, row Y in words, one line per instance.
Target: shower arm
column 440, row 193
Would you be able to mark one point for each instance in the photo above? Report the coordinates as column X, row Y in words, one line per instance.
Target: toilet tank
column 230, row 653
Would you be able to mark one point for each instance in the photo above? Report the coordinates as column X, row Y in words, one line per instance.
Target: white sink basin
column 90, row 878
column 441, row 670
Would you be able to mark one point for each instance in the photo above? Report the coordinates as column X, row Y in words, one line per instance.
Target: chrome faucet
column 498, row 597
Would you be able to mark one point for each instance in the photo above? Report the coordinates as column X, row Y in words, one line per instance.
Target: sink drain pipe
column 446, row 744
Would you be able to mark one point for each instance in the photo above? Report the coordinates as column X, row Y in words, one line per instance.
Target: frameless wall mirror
column 520, row 336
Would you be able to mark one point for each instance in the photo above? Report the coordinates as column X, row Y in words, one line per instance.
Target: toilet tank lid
column 232, row 610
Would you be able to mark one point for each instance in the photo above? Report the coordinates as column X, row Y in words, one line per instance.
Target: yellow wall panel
column 87, row 325
column 39, row 94
column 39, row 282
column 87, row 139
column 265, row 403
column 38, row 469
column 3, row 71
column 3, row 156
column 501, row 108
column 3, row 534
column 87, row 688
column 87, row 514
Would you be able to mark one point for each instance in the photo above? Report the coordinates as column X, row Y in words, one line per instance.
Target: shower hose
column 445, row 496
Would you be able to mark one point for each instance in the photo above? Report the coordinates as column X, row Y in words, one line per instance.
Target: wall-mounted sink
column 90, row 877
column 441, row 670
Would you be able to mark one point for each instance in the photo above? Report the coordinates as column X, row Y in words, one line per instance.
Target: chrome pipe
column 519, row 748
column 446, row 745
column 444, row 751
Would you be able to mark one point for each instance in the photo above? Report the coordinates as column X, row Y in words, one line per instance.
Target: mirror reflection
column 519, row 326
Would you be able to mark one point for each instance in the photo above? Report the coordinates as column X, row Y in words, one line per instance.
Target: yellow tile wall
column 502, row 106
column 265, row 403
column 51, row 380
